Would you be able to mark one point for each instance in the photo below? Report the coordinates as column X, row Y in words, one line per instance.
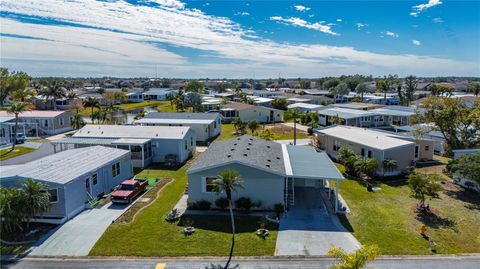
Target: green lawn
column 13, row 250
column 19, row 150
column 386, row 218
column 38, row 140
column 281, row 132
column 151, row 235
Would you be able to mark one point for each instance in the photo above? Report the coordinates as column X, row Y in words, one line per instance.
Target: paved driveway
column 79, row 235
column 308, row 228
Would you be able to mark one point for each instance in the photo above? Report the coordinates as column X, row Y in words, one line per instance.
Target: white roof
column 173, row 121
column 132, row 131
column 304, row 105
column 345, row 113
column 262, row 99
column 298, row 99
column 366, row 137
column 392, row 112
column 65, row 166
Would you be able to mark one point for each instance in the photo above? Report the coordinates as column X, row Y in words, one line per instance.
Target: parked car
column 129, row 190
column 21, row 138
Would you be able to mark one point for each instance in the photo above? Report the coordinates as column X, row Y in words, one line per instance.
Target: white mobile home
column 205, row 125
column 74, row 177
column 148, row 144
column 246, row 113
column 159, row 94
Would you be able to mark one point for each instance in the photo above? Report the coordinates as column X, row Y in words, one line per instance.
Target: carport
column 305, row 167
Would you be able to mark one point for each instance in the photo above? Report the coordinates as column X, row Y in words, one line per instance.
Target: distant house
column 74, row 177
column 148, row 144
column 305, row 108
column 396, row 115
column 135, row 97
column 159, row 94
column 294, row 100
column 211, row 103
column 431, row 134
column 42, row 122
column 205, row 125
column 466, row 182
column 6, row 130
column 271, row 172
column 351, row 117
column 357, row 105
column 377, row 145
column 246, row 113
column 315, row 92
column 316, row 99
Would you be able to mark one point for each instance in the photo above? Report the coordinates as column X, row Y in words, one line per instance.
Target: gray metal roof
column 85, row 141
column 246, row 149
column 182, row 115
column 65, row 166
column 306, row 162
column 130, row 131
column 345, row 113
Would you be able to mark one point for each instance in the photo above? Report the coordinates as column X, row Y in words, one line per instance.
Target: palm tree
column 23, row 95
column 16, row 108
column 355, row 260
column 389, row 165
column 253, row 125
column 293, row 114
column 361, row 89
column 474, row 88
column 229, row 181
column 366, row 166
column 53, row 89
column 383, row 85
column 77, row 121
column 313, row 116
column 35, row 198
column 92, row 102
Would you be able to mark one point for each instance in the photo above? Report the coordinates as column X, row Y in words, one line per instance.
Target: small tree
column 468, row 166
column 36, row 199
column 356, row 260
column 267, row 134
column 361, row 89
column 474, row 87
column 253, row 126
column 16, row 109
column 389, row 165
column 422, row 187
column 239, row 126
column 344, row 153
column 93, row 103
column 366, row 167
column 280, row 103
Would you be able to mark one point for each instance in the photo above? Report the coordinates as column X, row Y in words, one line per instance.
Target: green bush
column 202, row 205
column 278, row 208
column 221, row 203
column 244, row 203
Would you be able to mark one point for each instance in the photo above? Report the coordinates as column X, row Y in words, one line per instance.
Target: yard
column 150, row 235
column 19, row 150
column 163, row 106
column 281, row 132
column 386, row 218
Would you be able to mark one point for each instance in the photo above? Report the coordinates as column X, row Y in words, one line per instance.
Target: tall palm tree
column 293, row 114
column 389, row 165
column 16, row 108
column 77, row 121
column 228, row 181
column 366, row 166
column 361, row 89
column 92, row 102
column 355, row 260
column 53, row 89
column 36, row 199
column 384, row 85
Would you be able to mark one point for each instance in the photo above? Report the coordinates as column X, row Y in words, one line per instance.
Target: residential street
column 42, row 151
column 399, row 262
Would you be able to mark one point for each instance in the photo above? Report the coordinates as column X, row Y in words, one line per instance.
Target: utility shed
column 74, row 177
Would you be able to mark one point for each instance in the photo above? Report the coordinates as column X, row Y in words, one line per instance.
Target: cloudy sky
column 240, row 39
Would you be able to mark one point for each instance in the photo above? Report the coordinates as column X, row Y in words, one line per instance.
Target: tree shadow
column 435, row 221
column 470, row 197
column 243, row 224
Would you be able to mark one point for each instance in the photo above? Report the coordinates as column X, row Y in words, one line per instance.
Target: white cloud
column 392, row 34
column 423, row 7
column 339, row 20
column 242, row 14
column 318, row 26
column 416, row 42
column 437, row 20
column 127, row 40
column 360, row 25
column 301, row 8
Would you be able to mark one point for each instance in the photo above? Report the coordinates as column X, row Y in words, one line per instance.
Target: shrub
column 201, row 205
column 278, row 208
column 310, row 131
column 244, row 203
column 221, row 203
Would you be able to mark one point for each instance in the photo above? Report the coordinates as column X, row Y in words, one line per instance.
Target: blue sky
column 239, row 39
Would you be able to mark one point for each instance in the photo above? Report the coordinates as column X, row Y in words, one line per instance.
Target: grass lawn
column 386, row 218
column 38, row 140
column 281, row 132
column 13, row 250
column 19, row 150
column 150, row 235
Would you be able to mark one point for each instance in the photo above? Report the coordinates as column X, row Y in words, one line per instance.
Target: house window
column 53, row 195
column 427, row 148
column 186, row 145
column 87, row 183
column 214, row 124
column 94, row 179
column 362, row 152
column 209, row 184
column 115, row 169
column 191, row 141
column 45, row 123
column 60, row 121
column 370, row 154
column 2, row 132
column 416, row 151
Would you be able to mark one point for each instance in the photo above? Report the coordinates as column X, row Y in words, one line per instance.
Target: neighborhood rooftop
column 244, row 149
column 345, row 113
column 178, row 118
column 64, row 166
column 306, row 162
column 363, row 136
column 130, row 131
column 34, row 114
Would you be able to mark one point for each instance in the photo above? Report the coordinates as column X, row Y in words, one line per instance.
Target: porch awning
column 306, row 162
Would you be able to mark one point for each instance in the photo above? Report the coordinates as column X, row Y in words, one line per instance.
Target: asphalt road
column 439, row 262
column 43, row 150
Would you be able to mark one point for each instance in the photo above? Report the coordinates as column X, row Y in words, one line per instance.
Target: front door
column 271, row 116
column 88, row 188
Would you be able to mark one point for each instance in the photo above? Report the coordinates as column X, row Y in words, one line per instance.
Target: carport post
column 336, row 195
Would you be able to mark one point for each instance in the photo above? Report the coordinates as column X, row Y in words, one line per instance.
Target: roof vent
column 228, row 156
column 267, row 165
column 248, row 148
column 268, row 147
column 269, row 161
column 278, row 158
column 238, row 139
column 232, row 149
column 156, row 135
column 249, row 143
column 245, row 155
column 251, row 139
column 235, row 144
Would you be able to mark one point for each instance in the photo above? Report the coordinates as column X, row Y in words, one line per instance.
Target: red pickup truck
column 128, row 190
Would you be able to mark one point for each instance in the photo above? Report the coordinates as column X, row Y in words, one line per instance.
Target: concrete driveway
column 308, row 228
column 78, row 236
